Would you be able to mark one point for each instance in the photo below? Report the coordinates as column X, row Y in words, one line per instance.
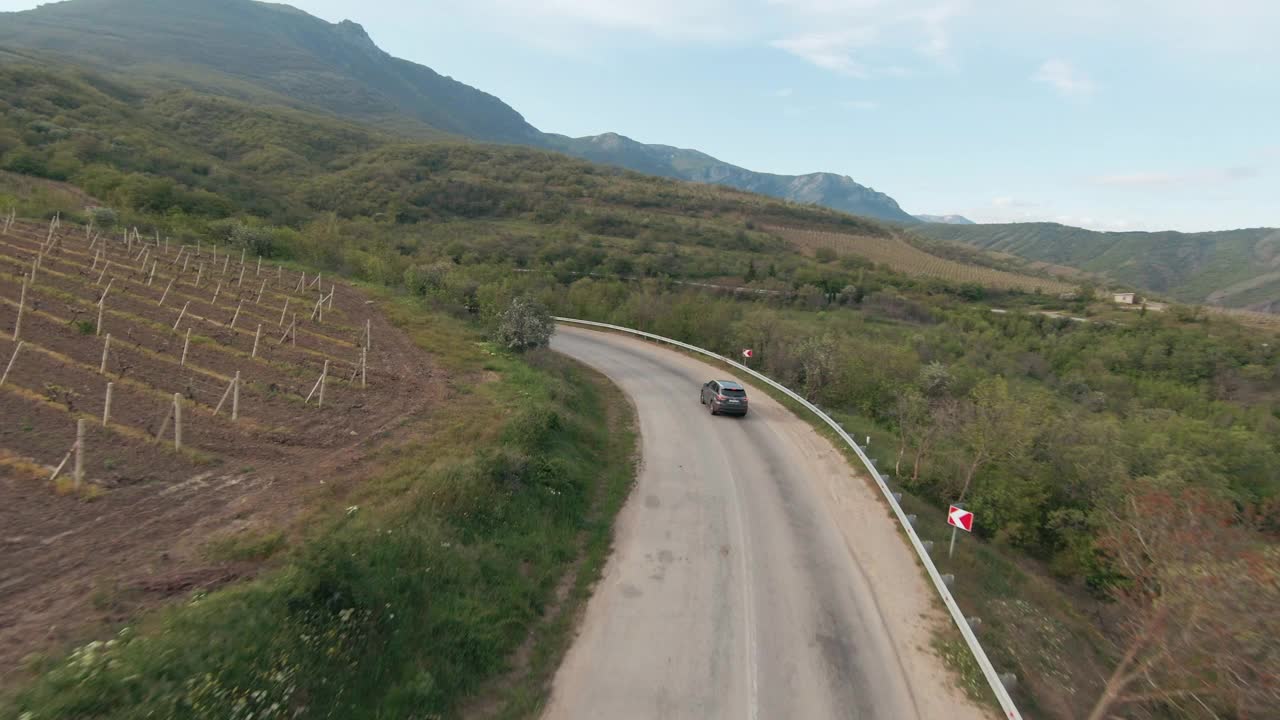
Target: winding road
column 753, row 575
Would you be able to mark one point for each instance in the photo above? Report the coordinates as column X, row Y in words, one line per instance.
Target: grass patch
column 246, row 546
column 414, row 593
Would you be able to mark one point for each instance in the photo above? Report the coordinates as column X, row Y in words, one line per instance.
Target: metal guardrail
column 988, row 670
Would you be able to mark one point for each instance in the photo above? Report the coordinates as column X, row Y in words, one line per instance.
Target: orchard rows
column 149, row 357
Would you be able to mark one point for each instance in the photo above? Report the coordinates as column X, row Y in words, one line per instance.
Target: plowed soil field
column 132, row 532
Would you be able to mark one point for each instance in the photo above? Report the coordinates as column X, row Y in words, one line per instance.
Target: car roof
column 732, row 385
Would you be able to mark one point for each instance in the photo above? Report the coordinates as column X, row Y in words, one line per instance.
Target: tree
column 992, row 425
column 750, row 277
column 102, row 217
column 256, row 240
column 818, row 362
column 1199, row 607
column 921, row 412
column 524, row 325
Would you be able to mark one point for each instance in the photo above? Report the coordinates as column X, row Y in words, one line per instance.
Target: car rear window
column 734, row 392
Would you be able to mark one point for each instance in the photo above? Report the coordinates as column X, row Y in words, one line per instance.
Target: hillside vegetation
column 1233, row 268
column 275, row 53
column 897, row 254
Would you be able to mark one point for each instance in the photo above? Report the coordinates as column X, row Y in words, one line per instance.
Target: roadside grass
column 411, row 593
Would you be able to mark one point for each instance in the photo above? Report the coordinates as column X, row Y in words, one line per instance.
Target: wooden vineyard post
column 106, row 406
column 258, row 272
column 301, row 280
column 258, row 299
column 368, row 331
column 240, row 282
column 12, row 360
column 199, row 274
column 165, row 294
column 364, row 364
column 256, row 337
column 96, row 259
column 279, row 275
column 177, row 421
column 22, row 303
column 235, row 398
column 324, row 375
column 332, row 289
column 226, row 260
column 186, row 345
column 216, row 291
column 102, row 305
column 35, row 265
column 185, row 259
column 78, row 473
column 282, row 313
column 106, row 351
column 152, row 277
column 181, row 314
column 319, row 386
column 237, row 315
column 103, row 274
column 242, row 258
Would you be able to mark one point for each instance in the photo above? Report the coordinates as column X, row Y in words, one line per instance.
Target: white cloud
column 860, row 104
column 681, row 20
column 1215, row 176
column 1006, row 201
column 831, row 50
column 1064, row 78
column 860, row 38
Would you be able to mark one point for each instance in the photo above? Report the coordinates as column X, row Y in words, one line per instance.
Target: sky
column 1108, row 114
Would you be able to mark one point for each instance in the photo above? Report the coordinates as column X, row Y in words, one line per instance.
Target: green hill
column 198, row 159
column 275, row 53
column 1232, row 268
column 258, row 51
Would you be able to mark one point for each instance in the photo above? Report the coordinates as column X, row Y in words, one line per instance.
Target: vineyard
column 155, row 393
column 896, row 254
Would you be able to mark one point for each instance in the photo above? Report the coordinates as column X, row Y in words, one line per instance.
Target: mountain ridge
column 946, row 219
column 272, row 51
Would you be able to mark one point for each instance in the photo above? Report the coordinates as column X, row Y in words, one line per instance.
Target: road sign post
column 959, row 519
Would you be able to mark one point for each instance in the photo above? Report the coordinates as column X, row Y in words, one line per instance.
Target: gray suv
column 724, row 396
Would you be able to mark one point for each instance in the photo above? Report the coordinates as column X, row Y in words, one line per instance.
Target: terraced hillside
column 145, row 320
column 1233, row 268
column 897, row 254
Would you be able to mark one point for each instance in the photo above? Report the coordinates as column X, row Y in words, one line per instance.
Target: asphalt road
column 733, row 592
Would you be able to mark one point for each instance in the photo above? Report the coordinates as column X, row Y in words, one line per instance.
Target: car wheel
column 702, row 398
column 712, row 407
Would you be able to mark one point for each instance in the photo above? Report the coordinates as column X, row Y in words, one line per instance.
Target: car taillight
column 721, row 398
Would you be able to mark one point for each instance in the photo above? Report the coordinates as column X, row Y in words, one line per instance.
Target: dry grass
column 897, row 254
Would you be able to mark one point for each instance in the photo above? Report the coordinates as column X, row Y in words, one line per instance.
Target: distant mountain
column 278, row 54
column 946, row 219
column 1232, row 268
column 826, row 189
